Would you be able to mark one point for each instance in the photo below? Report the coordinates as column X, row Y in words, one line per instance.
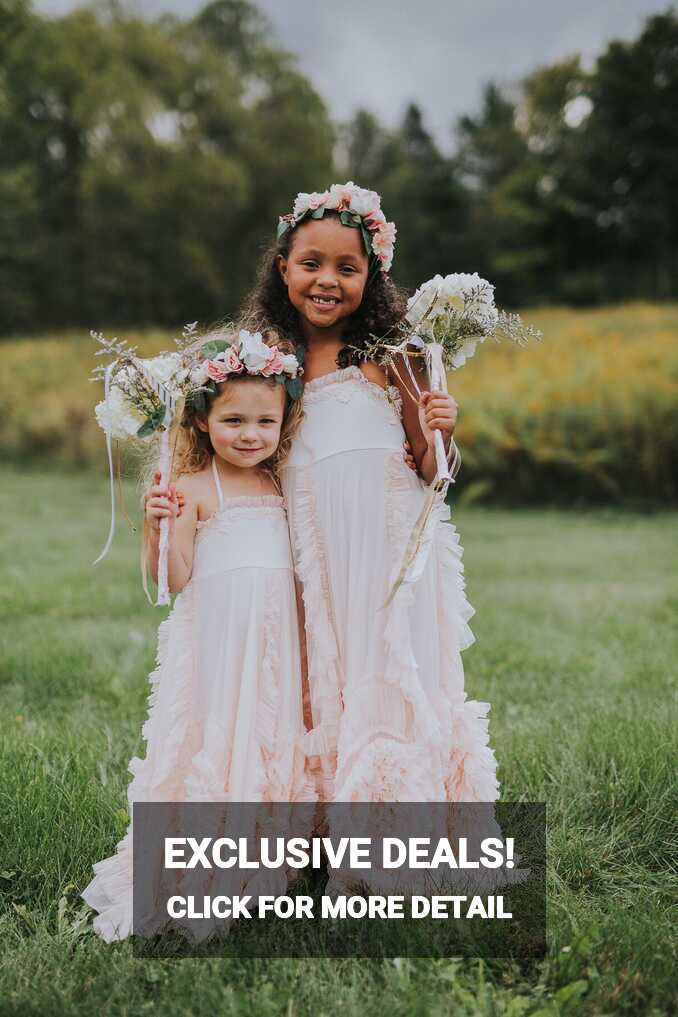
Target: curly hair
column 269, row 306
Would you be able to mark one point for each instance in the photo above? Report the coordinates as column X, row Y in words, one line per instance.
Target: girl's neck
column 236, row 480
column 321, row 349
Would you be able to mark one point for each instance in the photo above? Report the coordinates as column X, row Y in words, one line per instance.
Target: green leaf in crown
column 210, row 350
column 367, row 239
column 294, row 387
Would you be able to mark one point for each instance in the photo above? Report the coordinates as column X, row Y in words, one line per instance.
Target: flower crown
column 357, row 207
column 247, row 354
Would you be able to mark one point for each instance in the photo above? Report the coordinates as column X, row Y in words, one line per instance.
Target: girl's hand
column 157, row 491
column 408, row 457
column 161, row 503
column 437, row 412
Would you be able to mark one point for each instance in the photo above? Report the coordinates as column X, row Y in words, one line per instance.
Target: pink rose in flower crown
column 374, row 220
column 216, row 371
column 233, row 364
column 274, row 364
column 224, row 363
column 386, row 235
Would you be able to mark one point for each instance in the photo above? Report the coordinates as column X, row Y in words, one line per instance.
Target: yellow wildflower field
column 588, row 414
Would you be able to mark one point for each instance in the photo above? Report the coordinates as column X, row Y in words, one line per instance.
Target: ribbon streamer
column 163, row 547
column 419, row 543
column 107, row 546
column 170, row 402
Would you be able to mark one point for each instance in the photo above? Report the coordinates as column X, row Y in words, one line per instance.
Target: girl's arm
column 422, row 415
column 162, row 503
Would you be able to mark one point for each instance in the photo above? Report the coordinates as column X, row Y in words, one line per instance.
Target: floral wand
column 170, row 402
column 446, row 319
column 142, row 397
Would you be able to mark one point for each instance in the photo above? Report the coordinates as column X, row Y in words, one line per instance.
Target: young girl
column 225, row 714
column 391, row 720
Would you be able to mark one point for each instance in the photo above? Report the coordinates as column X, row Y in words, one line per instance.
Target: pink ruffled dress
column 391, row 719
column 225, row 710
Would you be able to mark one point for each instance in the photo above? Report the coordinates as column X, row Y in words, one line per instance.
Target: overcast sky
column 380, row 54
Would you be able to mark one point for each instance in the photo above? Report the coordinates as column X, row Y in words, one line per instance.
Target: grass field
column 576, row 650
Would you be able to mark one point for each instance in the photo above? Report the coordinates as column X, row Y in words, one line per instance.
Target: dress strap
column 217, row 482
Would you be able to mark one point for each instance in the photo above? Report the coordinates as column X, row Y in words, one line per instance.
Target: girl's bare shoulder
column 374, row 372
column 192, row 484
column 198, row 489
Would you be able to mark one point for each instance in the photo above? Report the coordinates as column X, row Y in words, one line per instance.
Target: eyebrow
column 314, row 250
column 242, row 413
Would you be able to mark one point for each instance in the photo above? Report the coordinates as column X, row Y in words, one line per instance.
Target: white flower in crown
column 253, row 351
column 363, row 201
column 290, row 365
column 306, row 202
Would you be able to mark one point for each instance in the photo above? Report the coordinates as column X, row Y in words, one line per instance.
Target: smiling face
column 325, row 272
column 244, row 421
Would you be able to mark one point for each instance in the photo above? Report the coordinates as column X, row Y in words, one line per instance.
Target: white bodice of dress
column 344, row 411
column 246, row 531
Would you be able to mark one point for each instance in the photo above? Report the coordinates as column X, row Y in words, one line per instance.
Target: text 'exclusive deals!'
column 379, row 880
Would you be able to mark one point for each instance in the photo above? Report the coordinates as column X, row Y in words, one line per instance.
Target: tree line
column 144, row 163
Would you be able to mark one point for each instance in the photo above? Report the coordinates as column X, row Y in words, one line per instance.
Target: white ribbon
column 419, row 544
column 107, row 546
column 434, row 358
column 163, row 547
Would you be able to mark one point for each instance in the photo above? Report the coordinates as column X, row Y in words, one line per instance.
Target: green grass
column 576, row 649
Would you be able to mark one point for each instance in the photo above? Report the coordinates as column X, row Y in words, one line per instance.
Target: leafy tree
column 628, row 147
column 144, row 163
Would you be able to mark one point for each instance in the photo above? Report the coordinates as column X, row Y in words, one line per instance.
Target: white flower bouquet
column 458, row 312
